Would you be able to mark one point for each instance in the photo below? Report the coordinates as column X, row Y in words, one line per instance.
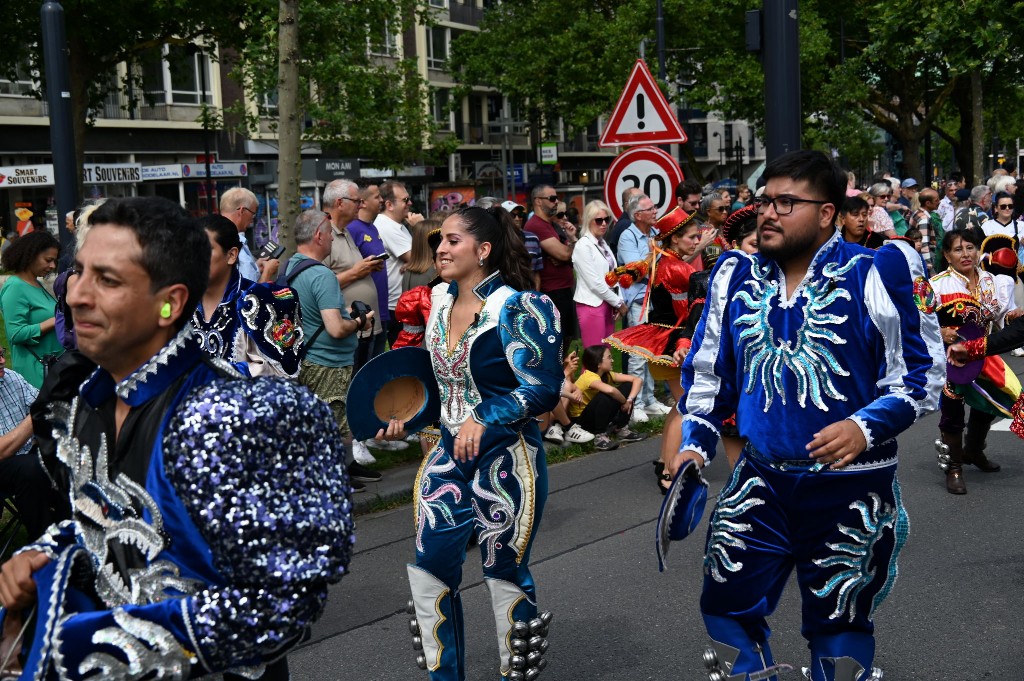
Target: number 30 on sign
column 649, row 169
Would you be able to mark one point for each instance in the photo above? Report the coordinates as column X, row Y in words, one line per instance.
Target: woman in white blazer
column 597, row 304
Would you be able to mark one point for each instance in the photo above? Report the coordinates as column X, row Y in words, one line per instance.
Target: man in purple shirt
column 367, row 239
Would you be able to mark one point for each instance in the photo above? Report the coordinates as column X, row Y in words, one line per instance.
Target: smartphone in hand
column 270, row 250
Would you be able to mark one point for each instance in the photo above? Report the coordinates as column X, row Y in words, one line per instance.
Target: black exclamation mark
column 640, row 111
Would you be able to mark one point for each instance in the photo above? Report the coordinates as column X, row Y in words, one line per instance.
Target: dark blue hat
column 397, row 384
column 682, row 509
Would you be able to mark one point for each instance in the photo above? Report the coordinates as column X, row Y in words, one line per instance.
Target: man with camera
column 328, row 328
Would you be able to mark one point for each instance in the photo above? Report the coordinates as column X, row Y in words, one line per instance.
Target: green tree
column 102, row 34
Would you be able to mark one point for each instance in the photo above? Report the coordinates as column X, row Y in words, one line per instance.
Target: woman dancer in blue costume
column 254, row 326
column 496, row 348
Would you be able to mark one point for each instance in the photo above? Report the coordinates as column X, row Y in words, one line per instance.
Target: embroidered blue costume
column 504, row 371
column 849, row 344
column 201, row 540
column 255, row 327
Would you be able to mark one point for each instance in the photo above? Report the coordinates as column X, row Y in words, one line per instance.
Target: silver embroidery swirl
column 500, row 515
column 149, row 649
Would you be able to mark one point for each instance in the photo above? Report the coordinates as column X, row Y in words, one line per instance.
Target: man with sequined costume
column 254, row 326
column 496, row 349
column 200, row 542
column 818, row 346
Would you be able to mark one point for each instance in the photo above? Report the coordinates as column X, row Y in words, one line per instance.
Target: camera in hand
column 360, row 311
column 271, row 250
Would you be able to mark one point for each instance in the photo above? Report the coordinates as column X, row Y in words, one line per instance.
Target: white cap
column 510, row 205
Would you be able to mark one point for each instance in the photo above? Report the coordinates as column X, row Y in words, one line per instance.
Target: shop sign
column 216, row 170
column 110, row 173
column 170, row 172
column 26, row 176
column 337, row 169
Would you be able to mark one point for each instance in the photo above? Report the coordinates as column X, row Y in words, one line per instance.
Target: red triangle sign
column 642, row 115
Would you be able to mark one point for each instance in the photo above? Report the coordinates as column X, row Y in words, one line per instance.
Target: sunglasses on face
column 721, row 209
column 560, row 215
column 602, row 221
column 552, row 199
column 1005, row 206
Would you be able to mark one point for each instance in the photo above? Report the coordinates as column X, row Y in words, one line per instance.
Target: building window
column 172, row 76
column 22, row 84
column 268, row 103
column 439, row 3
column 387, row 45
column 442, row 110
column 437, row 46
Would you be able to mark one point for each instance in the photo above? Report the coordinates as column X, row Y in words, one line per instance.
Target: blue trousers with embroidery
column 842, row 531
column 500, row 498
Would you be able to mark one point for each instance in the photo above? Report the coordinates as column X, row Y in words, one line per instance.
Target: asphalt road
column 954, row 614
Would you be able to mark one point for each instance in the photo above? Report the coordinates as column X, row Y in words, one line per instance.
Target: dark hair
column 508, row 252
column 223, row 230
column 592, row 356
column 687, row 188
column 175, row 249
column 852, row 204
column 22, row 252
column 1002, row 195
column 971, row 236
column 743, row 230
column 823, row 175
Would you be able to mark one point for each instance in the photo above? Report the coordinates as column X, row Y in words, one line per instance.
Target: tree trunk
column 289, row 161
column 977, row 130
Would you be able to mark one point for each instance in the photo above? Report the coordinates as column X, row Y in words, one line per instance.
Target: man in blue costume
column 825, row 351
column 209, row 512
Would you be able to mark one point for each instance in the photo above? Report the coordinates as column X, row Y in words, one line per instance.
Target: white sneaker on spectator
column 361, row 454
column 657, row 408
column 638, row 416
column 1017, row 352
column 555, row 434
column 387, row 445
column 577, row 435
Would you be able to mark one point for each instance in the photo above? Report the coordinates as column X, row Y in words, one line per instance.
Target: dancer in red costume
column 662, row 333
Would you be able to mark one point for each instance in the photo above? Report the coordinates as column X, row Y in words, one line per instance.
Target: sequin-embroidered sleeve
column 914, row 368
column 260, row 467
column 531, row 334
column 709, row 372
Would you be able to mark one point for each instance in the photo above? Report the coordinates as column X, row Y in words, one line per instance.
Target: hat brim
column 397, row 384
column 681, row 510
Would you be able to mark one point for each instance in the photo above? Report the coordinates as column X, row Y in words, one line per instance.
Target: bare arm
column 337, row 326
column 556, row 249
column 16, row 438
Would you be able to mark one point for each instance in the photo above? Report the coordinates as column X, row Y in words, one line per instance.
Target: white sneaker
column 577, row 435
column 387, row 445
column 638, row 416
column 361, row 454
column 555, row 434
column 1017, row 352
column 657, row 408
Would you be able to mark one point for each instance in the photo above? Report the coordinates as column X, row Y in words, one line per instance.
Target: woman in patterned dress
column 496, row 349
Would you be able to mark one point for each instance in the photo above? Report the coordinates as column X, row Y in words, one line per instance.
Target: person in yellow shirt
column 607, row 399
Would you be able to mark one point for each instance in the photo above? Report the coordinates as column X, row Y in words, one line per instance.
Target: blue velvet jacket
column 858, row 340
column 203, row 535
column 507, row 367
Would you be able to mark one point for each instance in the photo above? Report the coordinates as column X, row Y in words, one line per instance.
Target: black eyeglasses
column 602, row 221
column 560, row 215
column 355, row 201
column 407, row 200
column 1005, row 206
column 248, row 209
column 783, row 205
column 721, row 209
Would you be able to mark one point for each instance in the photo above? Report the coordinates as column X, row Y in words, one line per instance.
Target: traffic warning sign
column 642, row 115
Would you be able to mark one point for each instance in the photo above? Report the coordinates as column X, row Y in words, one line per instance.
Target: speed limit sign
column 649, row 169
